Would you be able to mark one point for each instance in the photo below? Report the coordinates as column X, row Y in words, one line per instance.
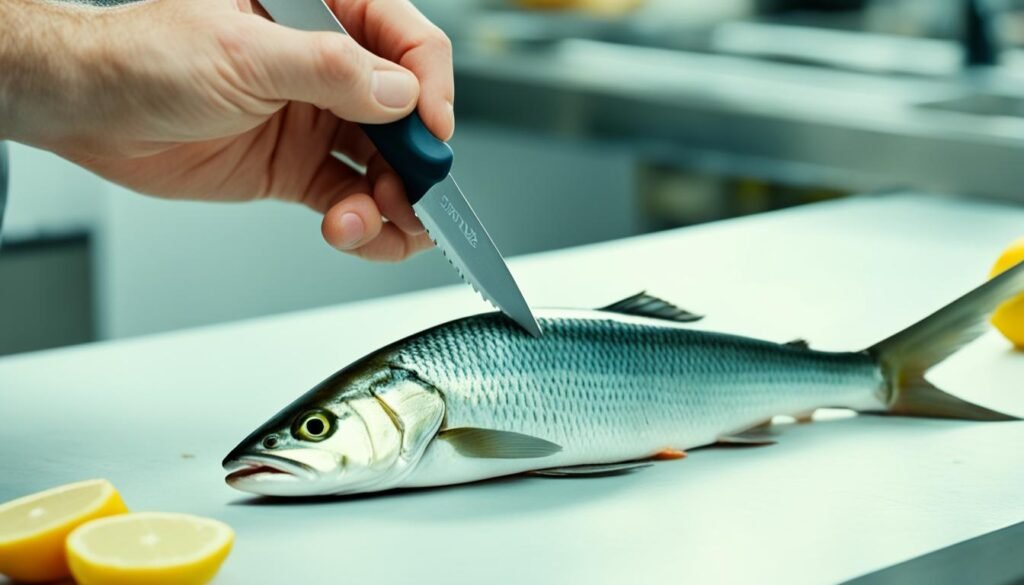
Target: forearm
column 42, row 70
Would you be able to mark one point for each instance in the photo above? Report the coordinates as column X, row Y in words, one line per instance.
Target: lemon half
column 149, row 549
column 1009, row 317
column 33, row 528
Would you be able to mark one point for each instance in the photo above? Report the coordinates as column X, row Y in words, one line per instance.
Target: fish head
column 363, row 429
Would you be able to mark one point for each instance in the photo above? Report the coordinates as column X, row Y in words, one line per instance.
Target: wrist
column 45, row 73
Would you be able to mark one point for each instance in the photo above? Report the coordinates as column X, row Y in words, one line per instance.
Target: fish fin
column 601, row 470
column 803, row 418
column 668, row 455
column 645, row 305
column 760, row 435
column 798, row 344
column 742, row 440
column 493, row 444
column 907, row 356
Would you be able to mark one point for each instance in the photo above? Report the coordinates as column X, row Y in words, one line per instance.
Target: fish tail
column 907, row 356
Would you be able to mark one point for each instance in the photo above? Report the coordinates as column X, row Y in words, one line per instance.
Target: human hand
column 208, row 99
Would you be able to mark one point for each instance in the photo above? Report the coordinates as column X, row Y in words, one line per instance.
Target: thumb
column 328, row 70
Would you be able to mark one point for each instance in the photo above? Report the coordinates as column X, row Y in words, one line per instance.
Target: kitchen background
column 579, row 121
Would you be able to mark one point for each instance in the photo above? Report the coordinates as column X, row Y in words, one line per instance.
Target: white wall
column 167, row 265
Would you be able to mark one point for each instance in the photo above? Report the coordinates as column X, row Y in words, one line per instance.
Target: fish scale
column 612, row 388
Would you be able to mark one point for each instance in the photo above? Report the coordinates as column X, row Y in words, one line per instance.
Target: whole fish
column 601, row 392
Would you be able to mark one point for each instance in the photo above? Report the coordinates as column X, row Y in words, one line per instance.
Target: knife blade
column 424, row 164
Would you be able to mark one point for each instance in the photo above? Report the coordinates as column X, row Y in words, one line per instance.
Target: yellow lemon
column 1009, row 317
column 33, row 528
column 148, row 549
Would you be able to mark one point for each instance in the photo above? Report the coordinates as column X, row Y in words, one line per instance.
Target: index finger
column 397, row 31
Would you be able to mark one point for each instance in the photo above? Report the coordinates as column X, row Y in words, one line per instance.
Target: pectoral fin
column 493, row 444
column 603, row 470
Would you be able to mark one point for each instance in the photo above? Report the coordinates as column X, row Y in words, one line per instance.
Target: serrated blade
column 457, row 231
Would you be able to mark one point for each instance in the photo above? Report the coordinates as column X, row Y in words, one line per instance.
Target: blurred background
column 579, row 121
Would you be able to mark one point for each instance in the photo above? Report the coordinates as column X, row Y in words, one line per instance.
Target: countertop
column 833, row 500
column 862, row 131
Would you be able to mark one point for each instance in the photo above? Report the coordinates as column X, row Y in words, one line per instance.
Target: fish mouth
column 267, row 468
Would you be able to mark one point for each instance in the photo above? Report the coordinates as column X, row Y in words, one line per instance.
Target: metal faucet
column 981, row 47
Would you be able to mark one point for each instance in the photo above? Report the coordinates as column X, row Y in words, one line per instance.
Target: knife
column 424, row 164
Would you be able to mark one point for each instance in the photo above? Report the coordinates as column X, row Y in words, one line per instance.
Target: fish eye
column 314, row 426
column 271, row 442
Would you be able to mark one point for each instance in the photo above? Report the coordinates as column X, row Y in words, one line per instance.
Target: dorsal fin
column 798, row 344
column 645, row 305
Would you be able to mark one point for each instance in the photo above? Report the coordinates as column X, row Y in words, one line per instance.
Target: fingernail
column 394, row 89
column 353, row 228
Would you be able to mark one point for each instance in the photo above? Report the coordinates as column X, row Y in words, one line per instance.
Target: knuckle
column 235, row 46
column 439, row 41
column 239, row 74
column 336, row 57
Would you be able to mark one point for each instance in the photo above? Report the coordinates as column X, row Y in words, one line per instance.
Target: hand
column 209, row 99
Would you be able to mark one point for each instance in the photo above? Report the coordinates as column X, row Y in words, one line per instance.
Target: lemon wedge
column 33, row 528
column 148, row 549
column 1009, row 317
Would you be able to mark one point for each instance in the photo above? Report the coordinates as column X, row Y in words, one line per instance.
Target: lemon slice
column 33, row 528
column 149, row 549
column 1009, row 317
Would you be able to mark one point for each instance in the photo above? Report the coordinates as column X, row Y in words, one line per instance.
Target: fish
column 602, row 392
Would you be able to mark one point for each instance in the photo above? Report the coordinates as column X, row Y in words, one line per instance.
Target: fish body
column 610, row 387
column 478, row 398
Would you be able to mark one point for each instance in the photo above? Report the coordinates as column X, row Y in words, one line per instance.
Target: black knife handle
column 420, row 158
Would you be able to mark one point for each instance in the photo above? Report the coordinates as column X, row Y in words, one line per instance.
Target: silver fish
column 601, row 392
